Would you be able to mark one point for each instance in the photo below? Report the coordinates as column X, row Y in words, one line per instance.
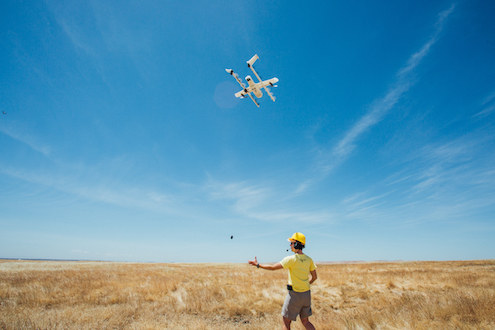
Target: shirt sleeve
column 312, row 266
column 287, row 262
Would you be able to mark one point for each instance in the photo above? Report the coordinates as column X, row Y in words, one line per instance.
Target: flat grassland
column 113, row 295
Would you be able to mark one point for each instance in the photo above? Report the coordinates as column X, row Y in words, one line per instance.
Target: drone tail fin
column 252, row 60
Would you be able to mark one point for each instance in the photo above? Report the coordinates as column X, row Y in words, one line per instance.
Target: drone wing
column 269, row 82
column 236, row 76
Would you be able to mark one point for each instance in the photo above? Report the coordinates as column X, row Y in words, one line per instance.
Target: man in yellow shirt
column 300, row 266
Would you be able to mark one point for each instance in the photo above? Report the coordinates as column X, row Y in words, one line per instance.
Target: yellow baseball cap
column 298, row 237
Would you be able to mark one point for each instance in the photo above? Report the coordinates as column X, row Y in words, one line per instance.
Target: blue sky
column 122, row 139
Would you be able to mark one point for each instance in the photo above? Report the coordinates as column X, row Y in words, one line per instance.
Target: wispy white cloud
column 346, row 145
column 448, row 180
column 263, row 203
column 100, row 31
column 485, row 112
column 76, row 37
column 96, row 184
column 416, row 58
column 103, row 35
column 488, row 99
column 30, row 61
column 369, row 212
column 285, row 216
column 327, row 161
column 115, row 34
column 454, row 178
column 354, row 200
column 28, row 139
column 488, row 105
column 243, row 196
column 362, row 206
column 234, row 199
column 451, row 161
column 383, row 105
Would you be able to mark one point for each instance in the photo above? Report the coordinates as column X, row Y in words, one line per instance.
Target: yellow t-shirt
column 300, row 266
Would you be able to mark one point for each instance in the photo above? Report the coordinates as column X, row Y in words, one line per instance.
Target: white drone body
column 255, row 88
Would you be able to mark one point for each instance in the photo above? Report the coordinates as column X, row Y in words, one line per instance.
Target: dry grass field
column 107, row 295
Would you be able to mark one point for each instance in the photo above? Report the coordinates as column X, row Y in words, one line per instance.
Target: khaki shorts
column 297, row 303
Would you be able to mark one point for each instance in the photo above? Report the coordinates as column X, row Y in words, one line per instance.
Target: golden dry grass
column 105, row 295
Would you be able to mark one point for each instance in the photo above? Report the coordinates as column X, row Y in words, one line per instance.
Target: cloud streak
column 487, row 105
column 328, row 160
column 380, row 107
column 26, row 139
column 441, row 181
column 97, row 184
column 261, row 203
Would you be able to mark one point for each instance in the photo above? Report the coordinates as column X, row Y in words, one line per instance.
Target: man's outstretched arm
column 255, row 262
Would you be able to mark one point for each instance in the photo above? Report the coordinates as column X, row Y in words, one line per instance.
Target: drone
column 255, row 88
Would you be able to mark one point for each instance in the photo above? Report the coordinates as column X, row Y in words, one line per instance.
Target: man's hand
column 276, row 266
column 253, row 262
